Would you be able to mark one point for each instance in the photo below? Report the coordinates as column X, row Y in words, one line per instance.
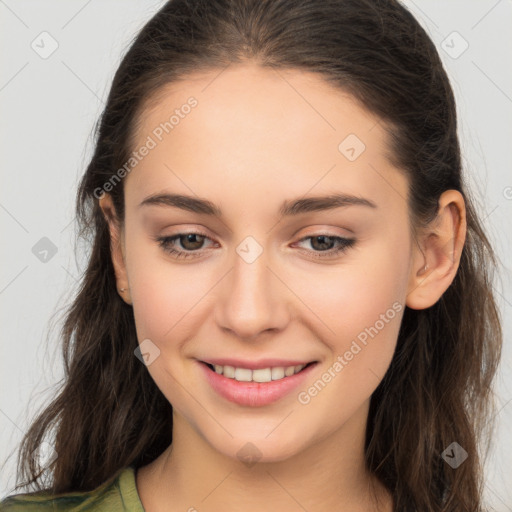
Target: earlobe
column 116, row 247
column 437, row 258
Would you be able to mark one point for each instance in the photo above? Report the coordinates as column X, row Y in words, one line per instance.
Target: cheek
column 366, row 321
column 352, row 296
column 166, row 301
column 362, row 304
column 165, row 295
column 347, row 297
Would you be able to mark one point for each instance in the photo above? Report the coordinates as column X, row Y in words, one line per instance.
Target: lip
column 254, row 394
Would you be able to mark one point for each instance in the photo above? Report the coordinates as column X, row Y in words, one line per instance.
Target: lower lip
column 254, row 394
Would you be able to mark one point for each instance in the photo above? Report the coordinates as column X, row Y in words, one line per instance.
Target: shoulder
column 118, row 493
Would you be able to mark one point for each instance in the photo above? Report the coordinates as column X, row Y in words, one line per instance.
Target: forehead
column 252, row 129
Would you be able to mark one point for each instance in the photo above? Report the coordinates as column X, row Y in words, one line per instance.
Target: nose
column 254, row 300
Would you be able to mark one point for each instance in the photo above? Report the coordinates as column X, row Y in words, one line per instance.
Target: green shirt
column 117, row 494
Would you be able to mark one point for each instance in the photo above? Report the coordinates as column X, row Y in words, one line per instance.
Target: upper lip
column 255, row 365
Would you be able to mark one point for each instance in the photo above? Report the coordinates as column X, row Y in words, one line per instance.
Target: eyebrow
column 288, row 208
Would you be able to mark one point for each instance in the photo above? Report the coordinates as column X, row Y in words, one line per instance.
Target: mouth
column 262, row 375
column 256, row 387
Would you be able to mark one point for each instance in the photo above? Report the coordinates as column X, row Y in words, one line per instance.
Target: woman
column 289, row 295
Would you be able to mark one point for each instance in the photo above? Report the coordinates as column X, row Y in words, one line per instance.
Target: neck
column 328, row 475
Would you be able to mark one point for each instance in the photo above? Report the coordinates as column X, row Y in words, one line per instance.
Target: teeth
column 229, row 371
column 259, row 375
column 289, row 371
column 277, row 373
column 243, row 374
column 262, row 375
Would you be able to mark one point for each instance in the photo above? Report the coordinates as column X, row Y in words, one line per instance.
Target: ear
column 437, row 256
column 116, row 246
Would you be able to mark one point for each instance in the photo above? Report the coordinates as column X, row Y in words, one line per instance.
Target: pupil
column 322, row 239
column 190, row 239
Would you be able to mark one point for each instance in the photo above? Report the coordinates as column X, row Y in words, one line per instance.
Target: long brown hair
column 110, row 414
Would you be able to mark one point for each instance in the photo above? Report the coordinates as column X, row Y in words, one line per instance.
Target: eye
column 324, row 243
column 191, row 242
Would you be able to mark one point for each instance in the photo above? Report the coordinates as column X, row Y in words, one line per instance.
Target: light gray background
column 48, row 110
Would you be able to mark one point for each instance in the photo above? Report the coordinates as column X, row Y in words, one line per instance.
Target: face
column 254, row 286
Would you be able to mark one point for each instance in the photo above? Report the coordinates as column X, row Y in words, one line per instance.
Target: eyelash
column 166, row 243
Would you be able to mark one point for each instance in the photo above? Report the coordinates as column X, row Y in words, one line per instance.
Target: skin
column 256, row 138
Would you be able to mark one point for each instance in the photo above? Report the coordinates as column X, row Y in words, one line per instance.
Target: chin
column 257, row 449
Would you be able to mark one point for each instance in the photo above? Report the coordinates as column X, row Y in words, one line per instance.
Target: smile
column 255, row 387
column 259, row 375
